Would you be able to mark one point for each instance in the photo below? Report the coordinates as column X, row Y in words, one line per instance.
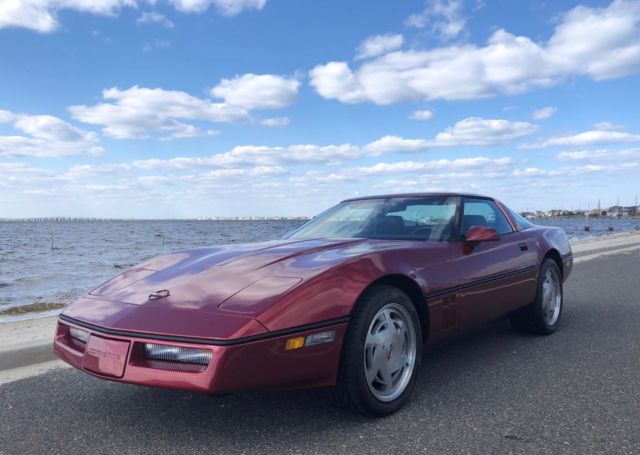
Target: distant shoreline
column 214, row 218
column 250, row 218
column 582, row 217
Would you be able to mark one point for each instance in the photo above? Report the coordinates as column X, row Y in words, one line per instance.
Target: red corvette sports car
column 348, row 300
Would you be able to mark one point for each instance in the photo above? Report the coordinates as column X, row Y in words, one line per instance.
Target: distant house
column 619, row 211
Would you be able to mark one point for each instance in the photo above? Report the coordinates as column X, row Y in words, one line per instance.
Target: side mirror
column 477, row 234
column 482, row 234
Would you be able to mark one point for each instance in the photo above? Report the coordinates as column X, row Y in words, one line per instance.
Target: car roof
column 408, row 195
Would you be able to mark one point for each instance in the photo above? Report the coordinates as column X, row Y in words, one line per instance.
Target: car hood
column 199, row 281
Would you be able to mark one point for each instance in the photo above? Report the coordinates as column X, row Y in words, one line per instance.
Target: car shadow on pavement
column 480, row 383
column 451, row 376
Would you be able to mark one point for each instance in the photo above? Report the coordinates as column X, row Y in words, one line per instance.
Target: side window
column 483, row 212
column 424, row 219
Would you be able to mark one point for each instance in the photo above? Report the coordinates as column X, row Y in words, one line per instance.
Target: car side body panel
column 495, row 278
column 334, row 292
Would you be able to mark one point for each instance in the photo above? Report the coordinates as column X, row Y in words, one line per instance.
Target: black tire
column 533, row 318
column 352, row 390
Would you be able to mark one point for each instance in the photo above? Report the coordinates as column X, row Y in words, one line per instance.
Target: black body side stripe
column 211, row 342
column 502, row 276
column 434, row 294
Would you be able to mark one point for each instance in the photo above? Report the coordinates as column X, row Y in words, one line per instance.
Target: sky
column 202, row 108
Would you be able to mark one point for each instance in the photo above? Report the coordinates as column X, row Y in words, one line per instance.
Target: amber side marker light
column 311, row 340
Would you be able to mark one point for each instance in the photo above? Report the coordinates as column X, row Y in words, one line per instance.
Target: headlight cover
column 81, row 335
column 168, row 353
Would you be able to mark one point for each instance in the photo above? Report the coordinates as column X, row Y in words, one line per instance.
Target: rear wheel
column 381, row 353
column 542, row 316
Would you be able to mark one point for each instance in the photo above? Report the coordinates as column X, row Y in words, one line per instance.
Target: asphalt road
column 498, row 391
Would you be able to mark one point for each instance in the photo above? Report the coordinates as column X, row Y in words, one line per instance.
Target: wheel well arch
column 554, row 255
column 413, row 290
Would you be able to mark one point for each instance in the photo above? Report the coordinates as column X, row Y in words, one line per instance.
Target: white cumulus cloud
column 378, row 45
column 421, row 115
column 335, row 80
column 275, row 121
column 587, row 138
column 443, row 16
column 600, row 43
column 479, row 131
column 257, row 91
column 544, row 113
column 431, row 170
column 467, row 132
column 138, row 111
column 258, row 155
column 224, row 7
column 41, row 15
column 46, row 136
column 599, row 155
column 567, row 171
column 153, row 17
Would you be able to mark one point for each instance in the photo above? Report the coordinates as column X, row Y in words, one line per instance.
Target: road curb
column 588, row 255
column 26, row 354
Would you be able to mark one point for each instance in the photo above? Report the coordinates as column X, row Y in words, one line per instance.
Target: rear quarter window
column 521, row 222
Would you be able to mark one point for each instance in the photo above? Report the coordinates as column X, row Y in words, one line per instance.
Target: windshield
column 416, row 218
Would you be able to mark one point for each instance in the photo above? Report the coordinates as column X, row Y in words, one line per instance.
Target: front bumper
column 236, row 365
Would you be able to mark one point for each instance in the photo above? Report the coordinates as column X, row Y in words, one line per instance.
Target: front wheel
column 381, row 353
column 542, row 316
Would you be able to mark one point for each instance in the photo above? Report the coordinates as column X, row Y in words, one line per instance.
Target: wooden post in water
column 52, row 241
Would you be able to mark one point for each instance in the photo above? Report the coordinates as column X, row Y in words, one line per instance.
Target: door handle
column 523, row 246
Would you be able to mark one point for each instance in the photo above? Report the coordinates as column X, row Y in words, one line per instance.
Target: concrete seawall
column 25, row 346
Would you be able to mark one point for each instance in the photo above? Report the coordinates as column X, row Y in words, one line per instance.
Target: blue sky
column 187, row 108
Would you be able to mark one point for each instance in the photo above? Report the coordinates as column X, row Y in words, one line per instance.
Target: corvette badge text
column 104, row 355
